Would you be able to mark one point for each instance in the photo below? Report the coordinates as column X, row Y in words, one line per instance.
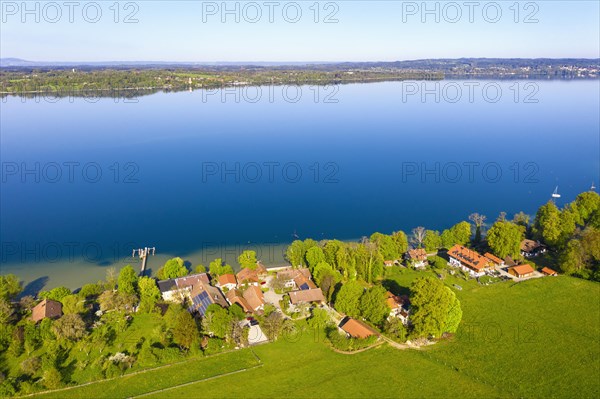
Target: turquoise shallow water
column 84, row 182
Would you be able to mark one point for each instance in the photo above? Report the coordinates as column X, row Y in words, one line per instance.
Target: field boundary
column 214, row 377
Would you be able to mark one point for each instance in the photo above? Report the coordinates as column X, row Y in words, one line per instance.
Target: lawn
column 163, row 377
column 537, row 338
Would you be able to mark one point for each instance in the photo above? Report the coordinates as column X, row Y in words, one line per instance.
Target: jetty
column 143, row 253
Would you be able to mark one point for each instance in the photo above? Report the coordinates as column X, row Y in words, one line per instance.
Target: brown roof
column 261, row 269
column 214, row 294
column 522, row 269
column 417, row 254
column 46, row 308
column 247, row 275
column 468, row 257
column 509, row 261
column 227, row 279
column 191, row 280
column 357, row 329
column 548, row 271
column 529, row 245
column 493, row 258
column 254, row 296
column 301, row 280
column 310, row 295
column 393, row 301
column 235, row 296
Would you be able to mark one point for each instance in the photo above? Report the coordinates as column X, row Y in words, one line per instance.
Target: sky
column 300, row 31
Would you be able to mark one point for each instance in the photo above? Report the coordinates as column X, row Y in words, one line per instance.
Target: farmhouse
column 248, row 276
column 178, row 289
column 530, row 248
column 227, row 281
column 521, row 271
column 549, row 272
column 417, row 257
column 306, row 296
column 203, row 295
column 468, row 260
column 398, row 306
column 356, row 329
column 254, row 298
column 235, row 296
column 46, row 309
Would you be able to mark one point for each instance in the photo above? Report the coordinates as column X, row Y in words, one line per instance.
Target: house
column 261, row 270
column 468, row 260
column 549, row 272
column 521, row 271
column 203, row 295
column 235, row 296
column 494, row 260
column 248, row 276
column 254, row 298
column 306, row 296
column 227, row 281
column 398, row 306
column 357, row 329
column 46, row 309
column 530, row 248
column 508, row 261
column 417, row 258
column 296, row 278
column 178, row 289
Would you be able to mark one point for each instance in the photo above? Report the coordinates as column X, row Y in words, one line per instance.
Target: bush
column 340, row 342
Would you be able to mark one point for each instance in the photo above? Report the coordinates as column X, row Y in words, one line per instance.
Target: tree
column 217, row 321
column 236, row 312
column 321, row 270
column 454, row 314
column 6, row 311
column 504, row 238
column 448, row 239
column 478, row 220
column 111, row 279
column 394, row 328
column 319, row 319
column 432, row 240
column 91, row 290
column 587, row 203
column 55, row 294
column 200, row 269
column 127, row 281
column 72, row 304
column 272, row 325
column 401, row 241
column 149, row 294
column 418, row 235
column 31, row 365
column 217, row 268
column 173, row 268
column 373, row 306
column 521, row 219
column 431, row 303
column 314, row 256
column 10, row 286
column 52, row 378
column 70, row 327
column 387, row 246
column 461, row 233
column 547, row 223
column 348, row 298
column 185, row 330
column 295, row 253
column 247, row 259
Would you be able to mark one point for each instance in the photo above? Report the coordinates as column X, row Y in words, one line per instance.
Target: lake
column 205, row 174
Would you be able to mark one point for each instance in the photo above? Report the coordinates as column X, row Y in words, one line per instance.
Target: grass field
column 534, row 339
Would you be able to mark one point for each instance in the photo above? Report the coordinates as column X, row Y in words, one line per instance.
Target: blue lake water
column 84, row 182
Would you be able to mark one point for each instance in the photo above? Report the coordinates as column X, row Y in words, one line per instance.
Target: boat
column 555, row 194
column 593, row 188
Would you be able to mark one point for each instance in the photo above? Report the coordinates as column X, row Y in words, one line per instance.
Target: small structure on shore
column 47, row 309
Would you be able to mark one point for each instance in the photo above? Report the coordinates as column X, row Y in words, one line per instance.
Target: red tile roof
column 393, row 301
column 46, row 308
column 417, row 254
column 227, row 279
column 549, row 272
column 311, row 295
column 358, row 329
column 235, row 296
column 493, row 258
column 468, row 257
column 521, row 270
column 254, row 296
column 247, row 275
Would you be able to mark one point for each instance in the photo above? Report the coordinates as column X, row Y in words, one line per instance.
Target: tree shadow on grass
column 395, row 288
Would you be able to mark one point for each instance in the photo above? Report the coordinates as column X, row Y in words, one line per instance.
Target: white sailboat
column 593, row 188
column 555, row 194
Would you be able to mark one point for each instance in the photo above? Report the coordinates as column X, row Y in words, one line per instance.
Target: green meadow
column 534, row 339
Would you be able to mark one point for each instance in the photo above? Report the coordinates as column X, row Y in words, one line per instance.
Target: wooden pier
column 143, row 253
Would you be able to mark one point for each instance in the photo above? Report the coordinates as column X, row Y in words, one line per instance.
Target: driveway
column 273, row 298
